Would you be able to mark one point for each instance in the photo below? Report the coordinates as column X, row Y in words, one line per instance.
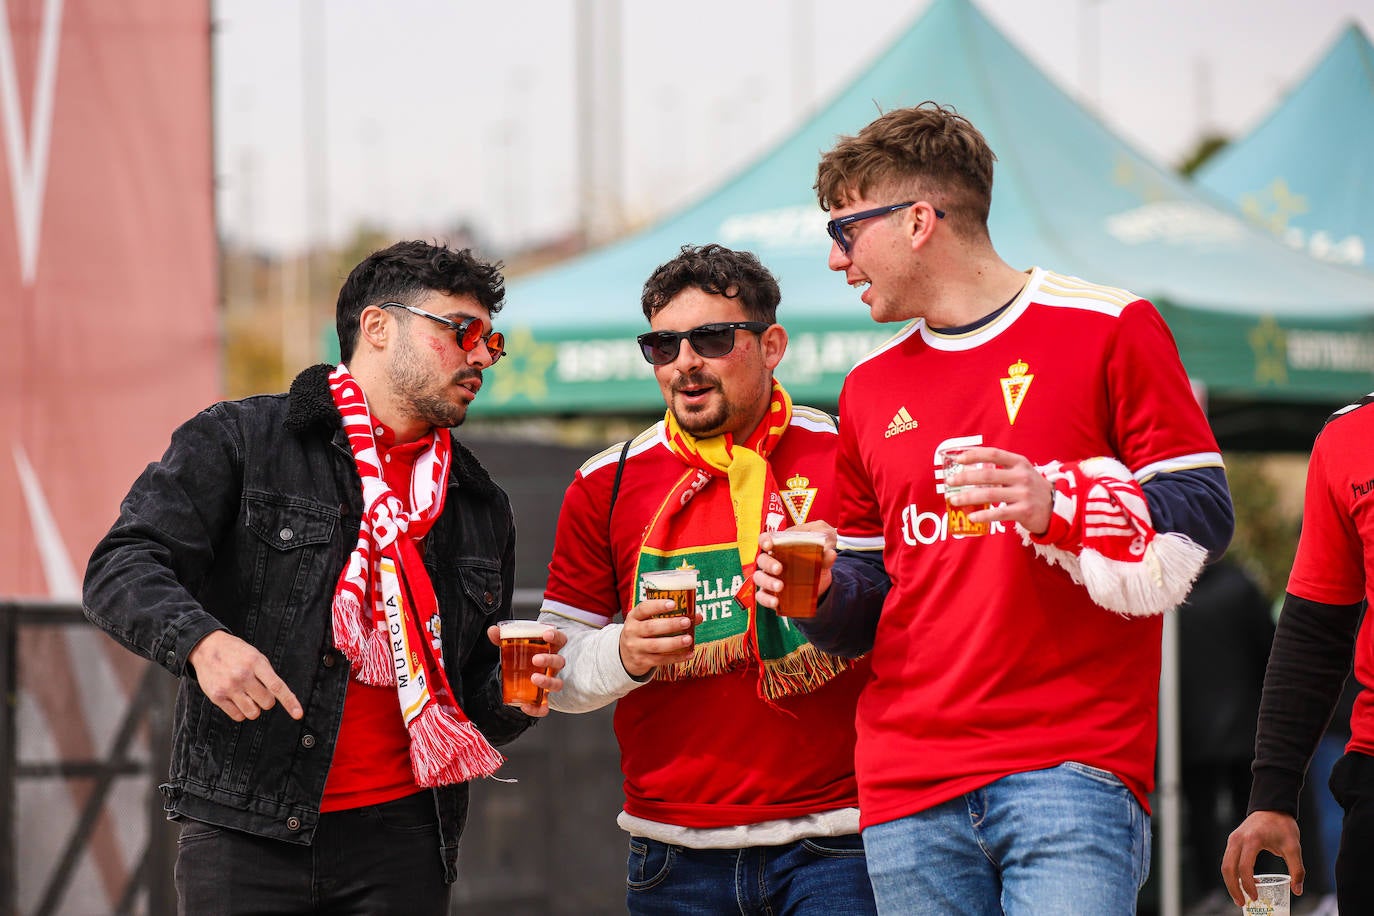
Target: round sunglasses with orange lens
column 468, row 331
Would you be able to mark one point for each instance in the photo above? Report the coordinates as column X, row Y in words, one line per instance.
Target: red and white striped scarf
column 385, row 615
column 1101, row 533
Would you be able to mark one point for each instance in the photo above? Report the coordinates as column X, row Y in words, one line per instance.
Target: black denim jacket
column 244, row 525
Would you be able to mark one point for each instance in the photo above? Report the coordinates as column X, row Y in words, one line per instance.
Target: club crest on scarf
column 385, row 614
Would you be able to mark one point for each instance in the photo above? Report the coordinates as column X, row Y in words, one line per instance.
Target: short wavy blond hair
column 929, row 151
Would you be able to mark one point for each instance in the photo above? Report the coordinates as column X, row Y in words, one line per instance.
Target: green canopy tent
column 1275, row 338
column 1307, row 171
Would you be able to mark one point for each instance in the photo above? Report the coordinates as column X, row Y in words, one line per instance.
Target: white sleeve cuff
column 593, row 675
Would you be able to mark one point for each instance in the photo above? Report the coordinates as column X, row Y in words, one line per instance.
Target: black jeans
column 372, row 860
column 1352, row 785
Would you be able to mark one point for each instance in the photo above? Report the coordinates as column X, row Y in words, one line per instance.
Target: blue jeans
column 1330, row 749
column 822, row 876
column 1070, row 840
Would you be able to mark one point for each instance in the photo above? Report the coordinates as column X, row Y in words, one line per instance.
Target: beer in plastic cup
column 800, row 553
column 1271, row 896
column 521, row 641
column 679, row 585
column 958, row 516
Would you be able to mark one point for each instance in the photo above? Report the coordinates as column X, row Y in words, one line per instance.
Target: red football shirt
column 707, row 752
column 989, row 661
column 1335, row 559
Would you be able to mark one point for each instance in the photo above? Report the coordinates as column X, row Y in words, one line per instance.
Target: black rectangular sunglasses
column 708, row 340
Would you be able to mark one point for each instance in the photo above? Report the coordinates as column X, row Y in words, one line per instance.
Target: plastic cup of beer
column 800, row 553
column 1271, row 896
column 679, row 585
column 958, row 516
column 521, row 641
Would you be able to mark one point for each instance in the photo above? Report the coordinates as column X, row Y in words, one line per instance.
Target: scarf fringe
column 709, row 659
column 445, row 751
column 802, row 671
column 1159, row 583
column 376, row 666
column 1054, row 556
column 349, row 637
column 367, row 652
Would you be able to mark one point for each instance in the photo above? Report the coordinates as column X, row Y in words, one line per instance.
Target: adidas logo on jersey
column 901, row 423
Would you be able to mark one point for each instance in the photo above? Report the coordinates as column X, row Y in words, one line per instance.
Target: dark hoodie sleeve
column 1307, row 667
column 846, row 621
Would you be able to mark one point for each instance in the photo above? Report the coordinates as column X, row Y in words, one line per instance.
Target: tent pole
column 1168, row 817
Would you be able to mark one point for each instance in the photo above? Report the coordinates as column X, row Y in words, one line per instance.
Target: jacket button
column 171, row 658
column 488, row 597
column 328, row 659
column 286, row 534
column 308, row 741
column 293, row 823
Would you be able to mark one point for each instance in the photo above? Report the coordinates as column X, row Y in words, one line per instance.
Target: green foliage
column 252, row 357
column 340, row 262
column 1206, row 148
column 1266, row 534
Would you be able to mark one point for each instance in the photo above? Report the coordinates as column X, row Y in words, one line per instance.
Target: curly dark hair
column 929, row 152
column 404, row 273
column 717, row 270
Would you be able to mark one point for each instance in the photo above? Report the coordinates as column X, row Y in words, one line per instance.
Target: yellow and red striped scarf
column 716, row 531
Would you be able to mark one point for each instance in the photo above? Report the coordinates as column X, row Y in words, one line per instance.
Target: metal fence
column 84, row 833
column 79, row 825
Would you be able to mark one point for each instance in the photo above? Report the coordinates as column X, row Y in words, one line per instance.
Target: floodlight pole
column 615, row 146
column 600, row 140
column 1168, row 800
column 296, row 350
column 803, row 66
column 1089, row 53
column 584, row 57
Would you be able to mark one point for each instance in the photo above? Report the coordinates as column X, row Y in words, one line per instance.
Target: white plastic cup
column 1271, row 896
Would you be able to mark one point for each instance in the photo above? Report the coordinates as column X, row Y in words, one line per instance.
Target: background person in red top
column 1323, row 619
column 1006, row 739
column 738, row 747
column 321, row 569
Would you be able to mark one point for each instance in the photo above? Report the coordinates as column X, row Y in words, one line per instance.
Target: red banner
column 108, row 288
column 108, row 262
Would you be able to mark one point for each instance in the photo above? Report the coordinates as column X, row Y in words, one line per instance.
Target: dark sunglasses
column 469, row 331
column 708, row 340
column 835, row 228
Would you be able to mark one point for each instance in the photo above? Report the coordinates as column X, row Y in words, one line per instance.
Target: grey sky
column 436, row 111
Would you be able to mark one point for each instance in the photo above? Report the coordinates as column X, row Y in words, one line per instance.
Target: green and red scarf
column 710, row 520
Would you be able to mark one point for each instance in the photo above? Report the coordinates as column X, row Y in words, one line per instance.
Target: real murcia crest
column 1014, row 388
column 798, row 498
